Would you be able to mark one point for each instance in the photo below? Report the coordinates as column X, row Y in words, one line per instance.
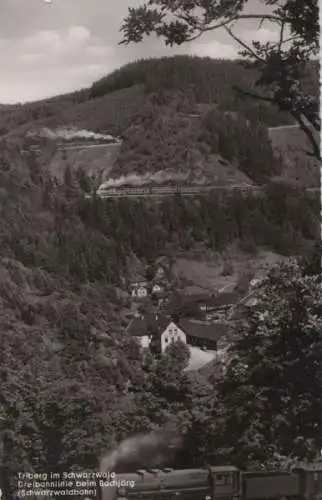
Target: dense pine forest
column 72, row 383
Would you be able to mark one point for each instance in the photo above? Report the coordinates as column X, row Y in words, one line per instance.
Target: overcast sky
column 48, row 49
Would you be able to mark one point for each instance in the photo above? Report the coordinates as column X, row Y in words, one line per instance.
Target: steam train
column 217, row 483
column 130, row 190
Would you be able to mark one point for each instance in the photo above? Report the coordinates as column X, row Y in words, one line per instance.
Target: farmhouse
column 204, row 334
column 157, row 329
column 189, row 306
column 156, row 332
column 139, row 290
column 209, row 307
column 157, row 289
column 224, row 301
column 207, row 304
column 219, row 308
column 160, row 299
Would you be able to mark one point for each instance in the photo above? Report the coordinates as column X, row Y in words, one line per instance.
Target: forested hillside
column 173, row 136
column 211, row 81
column 64, row 359
column 179, row 114
column 73, row 384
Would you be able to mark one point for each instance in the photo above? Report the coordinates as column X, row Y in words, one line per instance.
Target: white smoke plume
column 73, row 133
column 143, row 450
column 139, row 180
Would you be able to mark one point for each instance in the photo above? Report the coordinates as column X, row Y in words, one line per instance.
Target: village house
column 160, row 299
column 157, row 289
column 203, row 334
column 221, row 305
column 207, row 304
column 172, row 334
column 156, row 331
column 153, row 327
column 209, row 307
column 139, row 290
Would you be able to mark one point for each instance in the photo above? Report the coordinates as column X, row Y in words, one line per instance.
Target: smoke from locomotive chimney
column 144, row 450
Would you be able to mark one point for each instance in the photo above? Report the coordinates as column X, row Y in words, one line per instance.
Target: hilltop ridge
column 178, row 117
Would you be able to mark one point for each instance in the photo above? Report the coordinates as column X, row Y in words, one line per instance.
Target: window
column 223, row 479
column 220, row 480
column 166, row 339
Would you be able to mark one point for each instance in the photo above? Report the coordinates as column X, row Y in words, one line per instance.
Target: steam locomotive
column 217, row 483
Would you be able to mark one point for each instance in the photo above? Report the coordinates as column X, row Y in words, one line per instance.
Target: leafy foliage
column 179, row 354
column 275, row 370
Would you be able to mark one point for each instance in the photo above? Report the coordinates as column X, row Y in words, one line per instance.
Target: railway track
column 166, row 191
column 157, row 192
column 68, row 147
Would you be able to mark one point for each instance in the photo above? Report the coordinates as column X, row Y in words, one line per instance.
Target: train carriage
column 220, row 483
column 270, row 485
column 310, row 480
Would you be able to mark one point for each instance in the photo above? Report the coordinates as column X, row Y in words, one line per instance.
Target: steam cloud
column 139, row 180
column 143, row 450
column 69, row 134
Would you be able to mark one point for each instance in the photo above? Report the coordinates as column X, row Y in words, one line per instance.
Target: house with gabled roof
column 157, row 332
column 225, row 300
column 139, row 290
column 155, row 329
column 157, row 289
column 160, row 299
column 211, row 307
column 203, row 334
column 220, row 306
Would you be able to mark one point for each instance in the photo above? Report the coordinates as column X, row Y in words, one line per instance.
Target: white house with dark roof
column 139, row 290
column 157, row 289
column 172, row 333
column 163, row 331
column 153, row 326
